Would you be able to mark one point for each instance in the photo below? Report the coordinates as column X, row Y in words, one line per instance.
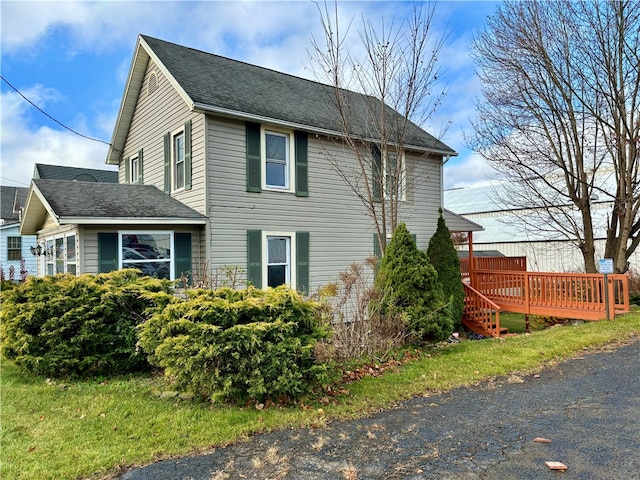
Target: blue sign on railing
column 605, row 265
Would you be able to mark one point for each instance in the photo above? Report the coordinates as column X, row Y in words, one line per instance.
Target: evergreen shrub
column 444, row 257
column 409, row 284
column 239, row 345
column 65, row 325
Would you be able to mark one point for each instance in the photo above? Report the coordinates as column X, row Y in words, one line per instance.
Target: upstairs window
column 394, row 176
column 276, row 160
column 178, row 161
column 388, row 177
column 134, row 169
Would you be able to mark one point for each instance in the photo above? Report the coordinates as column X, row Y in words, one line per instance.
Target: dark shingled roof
column 7, row 199
column 223, row 83
column 91, row 200
column 59, row 172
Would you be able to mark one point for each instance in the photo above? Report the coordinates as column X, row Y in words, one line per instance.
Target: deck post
column 609, row 299
column 472, row 268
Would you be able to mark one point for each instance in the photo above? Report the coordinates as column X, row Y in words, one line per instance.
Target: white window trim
column 51, row 259
column 403, row 172
column 290, row 188
column 133, row 171
column 66, row 252
column 149, row 232
column 14, row 249
column 174, row 166
column 292, row 256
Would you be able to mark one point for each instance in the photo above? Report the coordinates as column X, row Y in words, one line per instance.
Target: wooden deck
column 565, row 295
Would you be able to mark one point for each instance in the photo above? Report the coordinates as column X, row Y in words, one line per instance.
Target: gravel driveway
column 589, row 408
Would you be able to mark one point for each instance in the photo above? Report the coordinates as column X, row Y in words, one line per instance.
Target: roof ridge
column 248, row 64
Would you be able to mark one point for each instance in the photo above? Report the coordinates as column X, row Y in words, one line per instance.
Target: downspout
column 207, row 203
column 445, row 159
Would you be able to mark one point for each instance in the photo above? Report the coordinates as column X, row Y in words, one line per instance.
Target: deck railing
column 572, row 295
column 481, row 312
column 515, row 264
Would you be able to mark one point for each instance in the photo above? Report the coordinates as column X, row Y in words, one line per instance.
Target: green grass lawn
column 93, row 428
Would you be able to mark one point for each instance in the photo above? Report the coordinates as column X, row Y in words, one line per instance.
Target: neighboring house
column 507, row 230
column 61, row 172
column 222, row 163
column 13, row 246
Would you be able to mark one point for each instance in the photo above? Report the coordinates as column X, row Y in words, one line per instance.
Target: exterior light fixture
column 37, row 250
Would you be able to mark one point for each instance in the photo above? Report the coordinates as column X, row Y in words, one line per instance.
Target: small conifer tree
column 444, row 257
column 409, row 285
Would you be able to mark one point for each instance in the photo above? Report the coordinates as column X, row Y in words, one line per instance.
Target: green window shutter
column 167, row 163
column 107, row 252
column 187, row 155
column 376, row 246
column 376, row 174
column 182, row 252
column 127, row 166
column 301, row 148
column 140, row 169
column 254, row 174
column 254, row 257
column 302, row 262
column 415, row 238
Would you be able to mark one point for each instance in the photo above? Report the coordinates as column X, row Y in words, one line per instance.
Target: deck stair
column 481, row 315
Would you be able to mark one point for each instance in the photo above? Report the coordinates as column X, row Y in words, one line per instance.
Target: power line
column 14, row 181
column 45, row 113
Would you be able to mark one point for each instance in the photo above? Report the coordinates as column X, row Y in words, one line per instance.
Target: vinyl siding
column 27, row 241
column 155, row 114
column 340, row 230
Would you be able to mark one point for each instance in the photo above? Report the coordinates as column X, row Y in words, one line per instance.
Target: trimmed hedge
column 65, row 325
column 237, row 344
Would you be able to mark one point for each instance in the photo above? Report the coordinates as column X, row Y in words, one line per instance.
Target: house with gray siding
column 244, row 150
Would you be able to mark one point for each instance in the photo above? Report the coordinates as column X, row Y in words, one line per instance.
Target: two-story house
column 223, row 163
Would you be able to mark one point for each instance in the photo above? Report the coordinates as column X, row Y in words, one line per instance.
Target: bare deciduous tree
column 396, row 77
column 560, row 118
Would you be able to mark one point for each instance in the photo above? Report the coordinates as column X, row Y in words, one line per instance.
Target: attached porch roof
column 89, row 203
column 458, row 223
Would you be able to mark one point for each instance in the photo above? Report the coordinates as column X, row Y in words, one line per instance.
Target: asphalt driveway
column 589, row 408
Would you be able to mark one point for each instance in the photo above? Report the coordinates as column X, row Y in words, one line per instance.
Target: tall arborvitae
column 444, row 257
column 409, row 285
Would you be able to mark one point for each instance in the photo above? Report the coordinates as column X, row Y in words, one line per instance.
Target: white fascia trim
column 46, row 205
column 204, row 108
column 141, row 56
column 132, row 221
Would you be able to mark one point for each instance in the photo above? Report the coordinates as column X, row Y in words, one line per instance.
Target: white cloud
column 276, row 35
column 23, row 145
column 469, row 171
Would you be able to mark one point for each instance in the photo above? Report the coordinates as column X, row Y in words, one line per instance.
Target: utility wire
column 45, row 113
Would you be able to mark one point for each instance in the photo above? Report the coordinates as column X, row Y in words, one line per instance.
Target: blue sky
column 72, row 60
